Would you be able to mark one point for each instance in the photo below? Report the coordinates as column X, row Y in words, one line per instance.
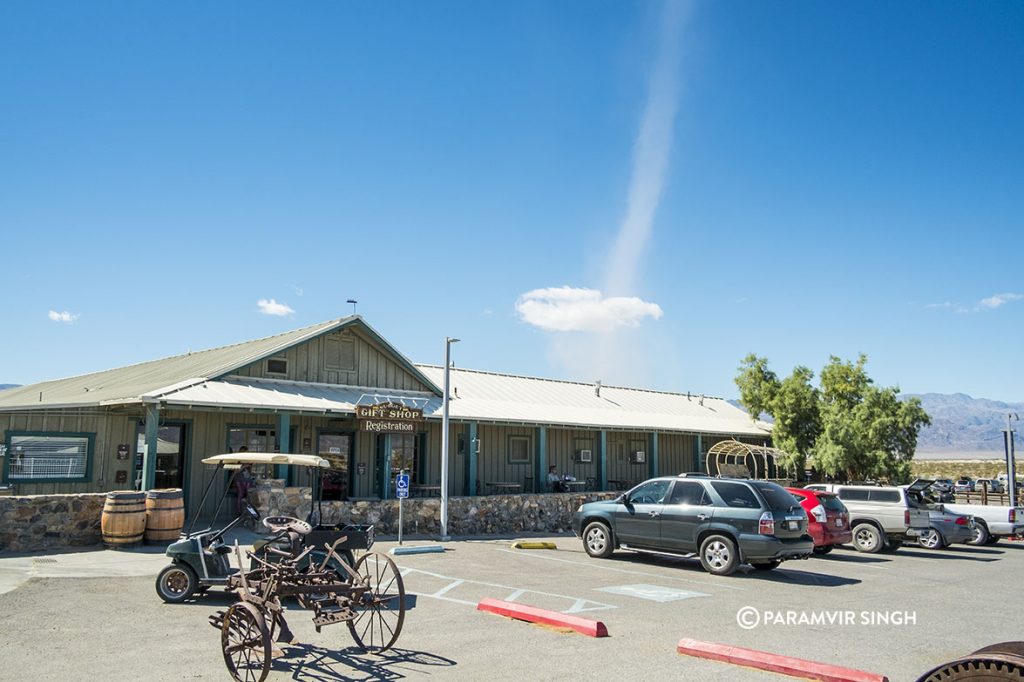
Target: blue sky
column 819, row 178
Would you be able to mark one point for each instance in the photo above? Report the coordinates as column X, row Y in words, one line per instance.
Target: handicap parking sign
column 402, row 485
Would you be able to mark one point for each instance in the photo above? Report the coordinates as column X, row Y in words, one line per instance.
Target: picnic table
column 574, row 486
column 504, row 487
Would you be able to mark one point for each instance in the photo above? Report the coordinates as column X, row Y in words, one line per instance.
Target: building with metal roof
column 338, row 389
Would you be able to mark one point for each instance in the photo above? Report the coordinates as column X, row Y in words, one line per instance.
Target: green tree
column 853, row 429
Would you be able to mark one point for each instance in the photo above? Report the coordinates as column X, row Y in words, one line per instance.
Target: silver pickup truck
column 880, row 516
column 991, row 522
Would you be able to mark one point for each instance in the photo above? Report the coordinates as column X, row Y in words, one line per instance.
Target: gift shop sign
column 388, row 418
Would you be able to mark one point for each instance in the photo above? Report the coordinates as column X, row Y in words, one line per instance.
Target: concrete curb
column 592, row 628
column 427, row 549
column 785, row 665
column 534, row 545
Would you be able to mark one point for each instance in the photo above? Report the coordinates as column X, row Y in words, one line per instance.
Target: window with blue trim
column 49, row 456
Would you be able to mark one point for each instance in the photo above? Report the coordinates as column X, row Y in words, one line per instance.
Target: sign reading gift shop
column 388, row 418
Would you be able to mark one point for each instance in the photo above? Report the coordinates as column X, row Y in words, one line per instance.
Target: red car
column 828, row 522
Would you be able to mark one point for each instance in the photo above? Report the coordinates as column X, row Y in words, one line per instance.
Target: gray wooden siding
column 492, row 462
column 562, row 447
column 676, row 453
column 110, row 430
column 620, row 447
column 308, row 362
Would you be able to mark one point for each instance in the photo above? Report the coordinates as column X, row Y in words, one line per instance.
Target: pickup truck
column 991, row 522
column 881, row 517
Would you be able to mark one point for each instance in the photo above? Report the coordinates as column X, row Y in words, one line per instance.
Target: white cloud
column 565, row 309
column 65, row 317
column 272, row 307
column 993, row 302
column 944, row 304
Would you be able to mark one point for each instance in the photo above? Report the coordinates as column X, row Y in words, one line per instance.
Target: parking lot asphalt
column 95, row 614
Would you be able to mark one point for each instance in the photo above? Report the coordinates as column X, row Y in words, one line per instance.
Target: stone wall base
column 29, row 523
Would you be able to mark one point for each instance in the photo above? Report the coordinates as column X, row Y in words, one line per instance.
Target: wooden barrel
column 165, row 515
column 124, row 518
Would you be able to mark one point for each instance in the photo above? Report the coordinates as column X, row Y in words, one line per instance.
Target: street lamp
column 1011, row 465
column 448, row 341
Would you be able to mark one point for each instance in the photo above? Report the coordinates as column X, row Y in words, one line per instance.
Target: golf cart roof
column 239, row 458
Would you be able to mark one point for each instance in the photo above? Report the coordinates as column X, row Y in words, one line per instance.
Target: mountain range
column 962, row 427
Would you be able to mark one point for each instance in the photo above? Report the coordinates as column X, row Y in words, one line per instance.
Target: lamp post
column 448, row 341
column 1011, row 465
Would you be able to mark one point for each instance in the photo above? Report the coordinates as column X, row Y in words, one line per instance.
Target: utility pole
column 1011, row 469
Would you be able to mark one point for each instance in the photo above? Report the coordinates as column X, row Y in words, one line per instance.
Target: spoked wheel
column 380, row 610
column 245, row 641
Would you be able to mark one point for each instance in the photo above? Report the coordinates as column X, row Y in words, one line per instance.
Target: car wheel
column 176, row 583
column 892, row 543
column 867, row 538
column 718, row 555
column 597, row 540
column 931, row 539
column 767, row 566
column 981, row 536
column 823, row 550
column 992, row 539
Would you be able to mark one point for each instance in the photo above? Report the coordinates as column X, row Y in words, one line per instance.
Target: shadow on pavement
column 791, row 576
column 943, row 555
column 851, row 558
column 307, row 662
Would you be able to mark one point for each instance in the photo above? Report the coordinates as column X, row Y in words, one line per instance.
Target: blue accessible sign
column 402, row 486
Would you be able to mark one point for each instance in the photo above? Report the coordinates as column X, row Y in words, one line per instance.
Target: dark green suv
column 724, row 521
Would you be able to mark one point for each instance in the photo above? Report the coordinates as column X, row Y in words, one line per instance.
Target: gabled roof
column 136, row 383
column 493, row 397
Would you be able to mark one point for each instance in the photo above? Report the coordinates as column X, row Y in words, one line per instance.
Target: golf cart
column 199, row 559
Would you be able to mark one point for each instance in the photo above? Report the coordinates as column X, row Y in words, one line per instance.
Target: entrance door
column 336, row 448
column 170, row 454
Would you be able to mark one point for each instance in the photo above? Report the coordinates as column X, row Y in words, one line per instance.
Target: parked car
column 991, row 522
column 947, row 527
column 828, row 520
column 881, row 517
column 725, row 522
column 964, row 485
column 993, row 485
column 942, row 491
column 943, row 485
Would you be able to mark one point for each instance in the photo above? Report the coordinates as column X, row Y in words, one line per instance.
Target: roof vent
column 597, row 388
column 702, row 400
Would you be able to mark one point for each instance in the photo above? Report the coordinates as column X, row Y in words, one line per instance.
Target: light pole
column 448, row 341
column 1011, row 465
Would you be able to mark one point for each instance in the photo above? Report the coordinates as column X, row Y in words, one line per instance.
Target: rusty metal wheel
column 380, row 608
column 994, row 663
column 245, row 641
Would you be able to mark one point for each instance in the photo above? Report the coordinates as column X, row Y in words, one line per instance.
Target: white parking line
column 599, row 566
column 578, row 604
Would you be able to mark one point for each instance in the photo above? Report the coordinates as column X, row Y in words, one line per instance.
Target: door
column 638, row 523
column 336, row 448
column 686, row 510
column 170, row 455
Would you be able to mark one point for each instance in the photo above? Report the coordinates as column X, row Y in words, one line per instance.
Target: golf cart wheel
column 379, row 602
column 981, row 536
column 245, row 641
column 931, row 539
column 176, row 583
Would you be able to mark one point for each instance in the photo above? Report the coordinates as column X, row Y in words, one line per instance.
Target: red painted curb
column 593, row 628
column 786, row 665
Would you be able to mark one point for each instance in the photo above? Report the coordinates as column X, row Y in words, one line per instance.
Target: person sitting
column 554, row 480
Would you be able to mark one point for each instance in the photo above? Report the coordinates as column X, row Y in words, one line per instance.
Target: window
column 652, row 492
column 885, row 496
column 49, row 456
column 736, row 494
column 831, row 503
column 858, row 494
column 689, row 492
column 518, row 449
column 776, row 496
column 254, row 439
column 405, row 456
column 340, row 354
column 277, row 366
